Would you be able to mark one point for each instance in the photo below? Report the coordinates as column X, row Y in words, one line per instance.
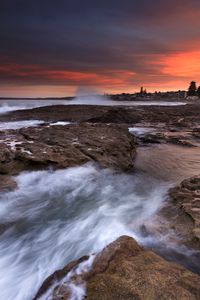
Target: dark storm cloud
column 92, row 36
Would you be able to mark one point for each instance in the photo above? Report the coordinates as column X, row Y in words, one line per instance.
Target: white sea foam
column 19, row 124
column 77, row 290
column 55, row 217
column 13, row 144
column 12, row 105
column 5, row 108
column 103, row 100
column 61, row 123
column 26, row 151
column 141, row 130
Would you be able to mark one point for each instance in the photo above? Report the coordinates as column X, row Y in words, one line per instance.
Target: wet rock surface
column 180, row 116
column 66, row 146
column 7, row 183
column 170, row 136
column 186, row 203
column 177, row 225
column 125, row 270
column 169, row 121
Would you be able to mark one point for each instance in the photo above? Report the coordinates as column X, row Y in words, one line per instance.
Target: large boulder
column 124, row 270
column 66, row 146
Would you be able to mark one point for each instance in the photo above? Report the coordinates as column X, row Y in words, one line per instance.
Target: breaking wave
column 55, row 217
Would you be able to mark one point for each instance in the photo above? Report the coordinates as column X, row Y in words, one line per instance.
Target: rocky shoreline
column 183, row 116
column 124, row 270
column 59, row 147
column 95, row 133
column 99, row 134
column 183, row 211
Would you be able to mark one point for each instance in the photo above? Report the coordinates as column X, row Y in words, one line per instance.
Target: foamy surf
column 55, row 217
column 19, row 124
column 7, row 106
column 141, row 130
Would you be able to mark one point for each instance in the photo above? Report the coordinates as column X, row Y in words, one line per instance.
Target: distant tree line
column 143, row 91
column 193, row 90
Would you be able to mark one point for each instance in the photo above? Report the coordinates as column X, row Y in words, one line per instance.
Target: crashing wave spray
column 57, row 216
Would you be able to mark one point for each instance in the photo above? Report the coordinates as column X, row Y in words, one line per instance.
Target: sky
column 52, row 48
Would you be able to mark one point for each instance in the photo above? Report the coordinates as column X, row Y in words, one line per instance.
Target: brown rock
column 182, row 138
column 6, row 183
column 124, row 270
column 180, row 116
column 181, row 216
column 67, row 146
column 187, row 199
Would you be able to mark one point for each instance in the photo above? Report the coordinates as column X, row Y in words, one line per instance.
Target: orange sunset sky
column 51, row 49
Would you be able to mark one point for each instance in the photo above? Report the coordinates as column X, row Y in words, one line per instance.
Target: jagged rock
column 187, row 198
column 125, row 270
column 66, row 146
column 178, row 138
column 181, row 216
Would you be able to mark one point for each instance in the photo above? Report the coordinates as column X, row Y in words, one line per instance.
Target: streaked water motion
column 54, row 217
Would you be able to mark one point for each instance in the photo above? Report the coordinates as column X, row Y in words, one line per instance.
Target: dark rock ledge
column 71, row 145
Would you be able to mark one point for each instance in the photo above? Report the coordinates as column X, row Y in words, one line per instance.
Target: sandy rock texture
column 66, row 146
column 186, row 198
column 125, row 270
